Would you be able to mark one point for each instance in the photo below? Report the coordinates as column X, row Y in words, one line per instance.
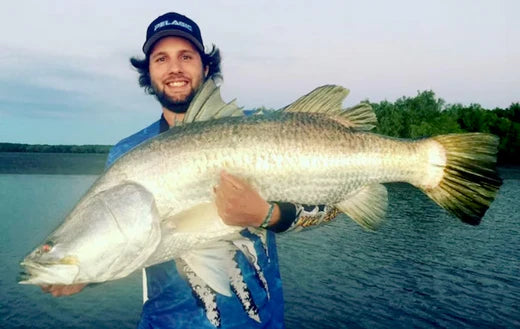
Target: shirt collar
column 163, row 124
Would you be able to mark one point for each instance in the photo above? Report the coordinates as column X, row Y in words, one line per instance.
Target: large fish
column 156, row 203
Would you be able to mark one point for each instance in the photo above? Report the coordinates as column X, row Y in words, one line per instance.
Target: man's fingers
column 58, row 290
column 68, row 290
column 231, row 181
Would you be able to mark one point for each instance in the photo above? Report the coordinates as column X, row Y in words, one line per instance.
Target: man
column 175, row 67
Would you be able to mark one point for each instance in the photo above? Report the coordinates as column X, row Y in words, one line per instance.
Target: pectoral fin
column 200, row 218
column 212, row 261
column 212, row 265
column 367, row 206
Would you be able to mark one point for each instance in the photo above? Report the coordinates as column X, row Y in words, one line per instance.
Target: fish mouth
column 47, row 273
column 24, row 276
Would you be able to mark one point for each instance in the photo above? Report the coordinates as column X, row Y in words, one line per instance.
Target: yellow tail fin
column 470, row 180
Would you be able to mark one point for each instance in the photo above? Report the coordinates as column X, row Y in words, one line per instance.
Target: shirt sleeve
column 297, row 216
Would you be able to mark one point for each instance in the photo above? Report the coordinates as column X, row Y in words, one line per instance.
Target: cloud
column 65, row 86
column 67, row 62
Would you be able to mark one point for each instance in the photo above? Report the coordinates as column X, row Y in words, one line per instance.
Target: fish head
column 45, row 266
column 107, row 236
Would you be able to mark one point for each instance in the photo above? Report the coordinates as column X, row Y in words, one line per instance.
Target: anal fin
column 367, row 206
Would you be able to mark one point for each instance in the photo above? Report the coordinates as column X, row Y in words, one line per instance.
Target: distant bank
column 52, row 163
column 44, row 148
column 52, row 159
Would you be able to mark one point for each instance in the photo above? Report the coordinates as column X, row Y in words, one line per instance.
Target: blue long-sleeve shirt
column 173, row 300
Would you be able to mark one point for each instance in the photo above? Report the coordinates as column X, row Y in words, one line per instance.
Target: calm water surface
column 422, row 269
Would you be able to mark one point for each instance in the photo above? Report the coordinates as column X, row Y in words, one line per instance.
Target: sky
column 65, row 76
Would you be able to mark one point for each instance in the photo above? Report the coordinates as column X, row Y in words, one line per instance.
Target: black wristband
column 287, row 217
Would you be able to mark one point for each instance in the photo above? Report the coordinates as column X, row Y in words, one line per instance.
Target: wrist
column 269, row 216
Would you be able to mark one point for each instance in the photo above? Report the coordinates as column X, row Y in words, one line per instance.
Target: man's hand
column 58, row 290
column 239, row 204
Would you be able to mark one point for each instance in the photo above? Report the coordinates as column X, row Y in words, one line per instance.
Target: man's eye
column 160, row 59
column 186, row 57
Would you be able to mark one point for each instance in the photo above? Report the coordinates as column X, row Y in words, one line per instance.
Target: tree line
column 426, row 115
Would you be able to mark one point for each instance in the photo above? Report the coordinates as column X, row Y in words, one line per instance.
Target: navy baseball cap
column 173, row 24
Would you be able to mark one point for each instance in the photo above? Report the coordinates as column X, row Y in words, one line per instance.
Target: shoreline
column 52, row 163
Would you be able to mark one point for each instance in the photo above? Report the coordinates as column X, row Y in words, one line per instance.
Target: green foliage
column 426, row 115
column 416, row 117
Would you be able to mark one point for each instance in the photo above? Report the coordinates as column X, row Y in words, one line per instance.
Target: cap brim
column 171, row 33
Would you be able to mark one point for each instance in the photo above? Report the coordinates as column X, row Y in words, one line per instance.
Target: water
column 422, row 269
column 52, row 163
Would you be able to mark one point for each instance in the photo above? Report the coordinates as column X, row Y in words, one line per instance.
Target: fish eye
column 47, row 246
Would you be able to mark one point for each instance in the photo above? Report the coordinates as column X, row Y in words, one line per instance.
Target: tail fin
column 470, row 180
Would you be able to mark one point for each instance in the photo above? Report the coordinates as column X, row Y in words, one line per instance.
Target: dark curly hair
column 211, row 60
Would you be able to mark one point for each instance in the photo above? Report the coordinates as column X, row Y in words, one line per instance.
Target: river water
column 421, row 269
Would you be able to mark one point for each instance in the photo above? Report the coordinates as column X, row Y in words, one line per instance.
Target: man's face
column 176, row 71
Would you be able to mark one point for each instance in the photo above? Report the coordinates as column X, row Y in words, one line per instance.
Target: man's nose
column 174, row 66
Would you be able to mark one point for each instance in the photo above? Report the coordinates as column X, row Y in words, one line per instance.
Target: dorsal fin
column 360, row 117
column 208, row 104
column 328, row 100
column 324, row 99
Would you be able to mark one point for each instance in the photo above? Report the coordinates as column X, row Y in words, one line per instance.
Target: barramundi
column 156, row 202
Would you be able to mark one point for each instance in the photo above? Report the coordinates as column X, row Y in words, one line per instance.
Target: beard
column 174, row 105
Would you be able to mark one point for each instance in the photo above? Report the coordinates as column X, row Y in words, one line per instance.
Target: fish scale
column 266, row 163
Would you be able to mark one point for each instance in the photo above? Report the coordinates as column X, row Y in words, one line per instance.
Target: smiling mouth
column 177, row 84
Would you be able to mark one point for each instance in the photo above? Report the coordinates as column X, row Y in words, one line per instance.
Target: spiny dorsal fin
column 208, row 104
column 324, row 99
column 367, row 207
column 328, row 100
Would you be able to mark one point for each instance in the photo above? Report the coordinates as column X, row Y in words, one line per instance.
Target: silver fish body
column 290, row 157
